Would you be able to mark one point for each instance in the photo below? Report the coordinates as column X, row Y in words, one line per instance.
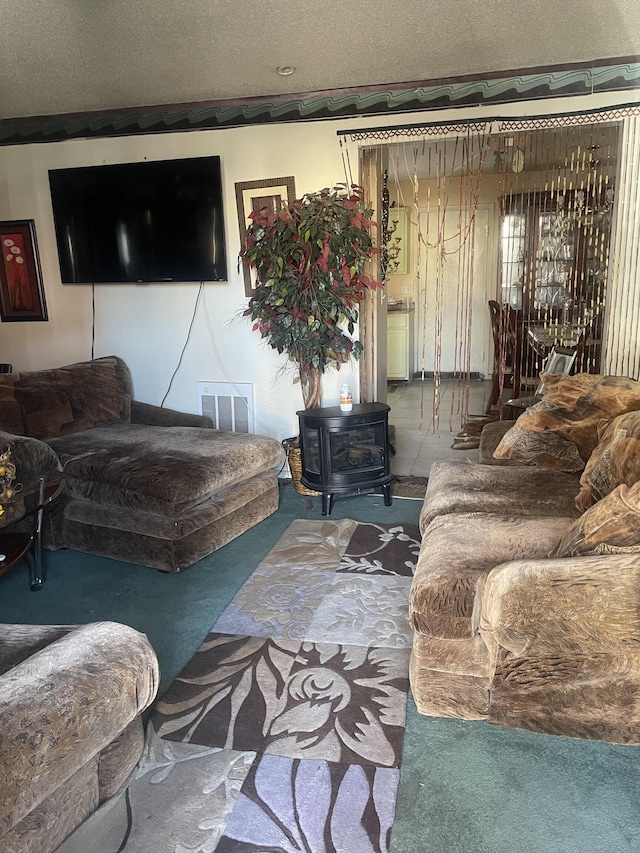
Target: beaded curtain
column 563, row 241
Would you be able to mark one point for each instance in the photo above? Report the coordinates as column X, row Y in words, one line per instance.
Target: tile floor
column 418, row 443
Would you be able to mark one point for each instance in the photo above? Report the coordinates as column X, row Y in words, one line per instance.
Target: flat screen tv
column 154, row 221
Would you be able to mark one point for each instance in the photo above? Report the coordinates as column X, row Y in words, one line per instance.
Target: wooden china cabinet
column 554, row 252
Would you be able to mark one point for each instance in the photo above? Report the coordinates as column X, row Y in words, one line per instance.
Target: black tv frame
column 140, row 222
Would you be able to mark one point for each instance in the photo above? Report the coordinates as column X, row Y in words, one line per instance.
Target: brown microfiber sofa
column 142, row 483
column 525, row 603
column 71, row 732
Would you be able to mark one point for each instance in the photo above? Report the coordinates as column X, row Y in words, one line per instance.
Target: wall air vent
column 228, row 404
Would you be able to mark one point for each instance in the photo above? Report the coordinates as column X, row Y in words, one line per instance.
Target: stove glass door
column 357, row 449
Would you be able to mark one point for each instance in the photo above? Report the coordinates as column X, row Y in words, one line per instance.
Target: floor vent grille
column 228, row 404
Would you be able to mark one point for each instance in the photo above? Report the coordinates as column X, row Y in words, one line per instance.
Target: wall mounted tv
column 154, row 221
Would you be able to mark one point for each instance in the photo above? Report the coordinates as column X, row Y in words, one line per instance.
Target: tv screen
column 159, row 220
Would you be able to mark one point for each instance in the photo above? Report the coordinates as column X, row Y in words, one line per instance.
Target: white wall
column 147, row 324
column 455, row 346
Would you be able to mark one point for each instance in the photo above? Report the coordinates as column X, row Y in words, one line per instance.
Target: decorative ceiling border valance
column 612, row 75
column 492, row 125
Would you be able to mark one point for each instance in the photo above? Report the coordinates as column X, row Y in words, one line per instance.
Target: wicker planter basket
column 294, row 458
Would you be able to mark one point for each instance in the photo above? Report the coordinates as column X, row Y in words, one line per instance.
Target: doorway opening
column 519, row 212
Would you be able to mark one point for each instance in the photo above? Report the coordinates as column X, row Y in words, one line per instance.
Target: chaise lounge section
column 142, row 483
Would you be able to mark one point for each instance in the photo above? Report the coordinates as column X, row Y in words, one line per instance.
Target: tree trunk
column 311, row 382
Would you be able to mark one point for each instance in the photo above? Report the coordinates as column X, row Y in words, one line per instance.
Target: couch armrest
column 564, row 646
column 32, row 457
column 19, row 642
column 568, row 605
column 66, row 703
column 147, row 413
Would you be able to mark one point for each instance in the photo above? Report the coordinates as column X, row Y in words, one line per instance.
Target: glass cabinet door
column 512, row 255
column 555, row 260
column 311, row 445
column 554, row 254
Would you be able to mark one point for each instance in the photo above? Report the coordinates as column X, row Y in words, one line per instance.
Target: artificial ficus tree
column 309, row 258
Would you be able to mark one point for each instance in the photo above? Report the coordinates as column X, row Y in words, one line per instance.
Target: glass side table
column 16, row 544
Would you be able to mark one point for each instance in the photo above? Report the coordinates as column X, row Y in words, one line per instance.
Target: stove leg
column 386, row 491
column 327, row 500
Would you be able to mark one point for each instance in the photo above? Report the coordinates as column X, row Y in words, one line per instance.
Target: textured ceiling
column 80, row 55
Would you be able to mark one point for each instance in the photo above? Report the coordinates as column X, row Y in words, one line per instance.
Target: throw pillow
column 612, row 526
column 568, row 414
column 615, row 461
column 66, row 400
column 11, row 419
column 544, row 448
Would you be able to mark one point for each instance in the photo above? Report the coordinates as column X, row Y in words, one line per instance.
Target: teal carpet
column 465, row 787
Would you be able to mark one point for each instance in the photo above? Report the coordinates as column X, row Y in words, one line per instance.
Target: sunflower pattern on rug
column 284, row 731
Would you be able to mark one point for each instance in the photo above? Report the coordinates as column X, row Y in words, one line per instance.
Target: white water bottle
column 346, row 398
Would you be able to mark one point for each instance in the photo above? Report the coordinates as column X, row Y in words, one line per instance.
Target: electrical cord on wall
column 186, row 343
column 93, row 320
column 222, row 361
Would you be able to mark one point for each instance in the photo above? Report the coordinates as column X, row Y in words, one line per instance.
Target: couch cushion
column 490, row 437
column 459, row 486
column 561, row 431
column 616, row 459
column 540, row 447
column 66, row 400
column 456, row 551
column 612, row 526
column 161, row 470
column 450, row 678
column 168, row 543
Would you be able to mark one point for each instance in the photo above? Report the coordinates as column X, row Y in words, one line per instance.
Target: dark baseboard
column 448, row 375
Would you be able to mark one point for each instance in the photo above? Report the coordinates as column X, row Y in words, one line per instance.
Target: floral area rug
column 284, row 731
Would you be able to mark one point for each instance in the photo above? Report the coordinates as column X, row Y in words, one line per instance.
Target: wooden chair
column 511, row 357
column 559, row 360
column 503, row 351
column 589, row 347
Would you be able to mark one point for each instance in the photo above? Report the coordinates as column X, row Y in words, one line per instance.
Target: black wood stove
column 345, row 453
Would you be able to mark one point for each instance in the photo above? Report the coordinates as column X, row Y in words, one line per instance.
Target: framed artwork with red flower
column 254, row 195
column 21, row 288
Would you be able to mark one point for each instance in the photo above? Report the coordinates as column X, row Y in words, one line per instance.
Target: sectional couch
column 525, row 604
column 71, row 731
column 143, row 484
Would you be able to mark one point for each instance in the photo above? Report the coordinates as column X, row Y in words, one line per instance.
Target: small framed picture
column 21, row 288
column 254, row 195
column 560, row 360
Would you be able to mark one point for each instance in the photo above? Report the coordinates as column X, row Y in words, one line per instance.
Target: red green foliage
column 309, row 260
